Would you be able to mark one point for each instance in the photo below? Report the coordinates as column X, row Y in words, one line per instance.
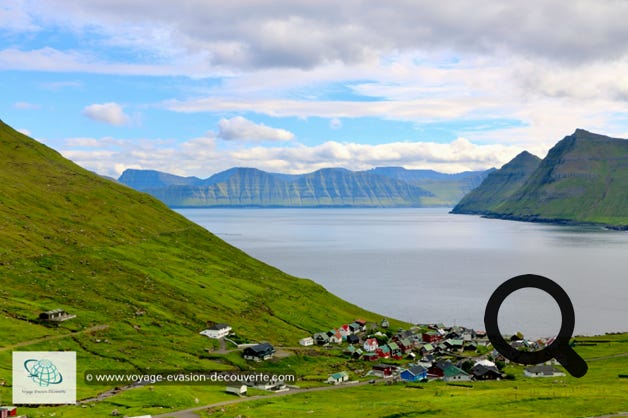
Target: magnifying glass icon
column 559, row 348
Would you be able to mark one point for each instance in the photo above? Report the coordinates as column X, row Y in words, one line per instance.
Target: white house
column 217, row 331
column 371, row 345
column 542, row 371
column 335, row 337
column 306, row 341
column 338, row 378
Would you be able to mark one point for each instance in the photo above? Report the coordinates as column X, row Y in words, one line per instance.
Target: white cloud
column 14, row 18
column 111, row 113
column 335, row 124
column 26, row 106
column 242, row 129
column 24, row 131
column 303, row 34
column 202, row 156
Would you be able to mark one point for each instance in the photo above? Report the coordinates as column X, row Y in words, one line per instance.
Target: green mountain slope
column 498, row 185
column 146, row 277
column 584, row 178
column 447, row 189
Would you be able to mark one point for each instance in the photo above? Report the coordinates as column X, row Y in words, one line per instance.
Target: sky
column 194, row 87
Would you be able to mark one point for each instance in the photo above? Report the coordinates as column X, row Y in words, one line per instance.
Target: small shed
column 307, row 341
column 55, row 315
column 237, row 389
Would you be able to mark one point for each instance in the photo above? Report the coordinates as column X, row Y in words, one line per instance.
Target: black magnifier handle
column 571, row 361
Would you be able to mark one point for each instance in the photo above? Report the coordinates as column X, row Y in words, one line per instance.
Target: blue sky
column 197, row 86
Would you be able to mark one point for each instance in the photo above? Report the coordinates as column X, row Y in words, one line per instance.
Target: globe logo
column 43, row 372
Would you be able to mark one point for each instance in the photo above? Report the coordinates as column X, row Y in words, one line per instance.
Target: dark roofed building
column 259, row 352
column 56, row 315
column 483, row 372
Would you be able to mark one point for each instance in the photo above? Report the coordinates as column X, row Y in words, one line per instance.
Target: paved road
column 191, row 412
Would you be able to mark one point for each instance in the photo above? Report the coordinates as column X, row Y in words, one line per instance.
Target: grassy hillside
column 142, row 280
column 584, row 178
column 499, row 185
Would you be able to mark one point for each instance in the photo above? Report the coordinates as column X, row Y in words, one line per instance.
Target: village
column 423, row 353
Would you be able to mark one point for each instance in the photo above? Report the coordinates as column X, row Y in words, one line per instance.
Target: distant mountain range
column 583, row 179
column 331, row 187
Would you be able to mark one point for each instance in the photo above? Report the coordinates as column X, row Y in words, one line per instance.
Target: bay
column 429, row 266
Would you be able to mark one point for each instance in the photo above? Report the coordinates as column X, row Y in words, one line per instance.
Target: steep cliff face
column 379, row 187
column 252, row 187
column 499, row 186
column 583, row 179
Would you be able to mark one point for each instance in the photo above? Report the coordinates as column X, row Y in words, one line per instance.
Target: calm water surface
column 426, row 265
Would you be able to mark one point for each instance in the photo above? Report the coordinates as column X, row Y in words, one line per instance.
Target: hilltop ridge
column 583, row 179
column 327, row 187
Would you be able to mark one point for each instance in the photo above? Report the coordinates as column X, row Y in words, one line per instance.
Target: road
column 53, row 337
column 191, row 412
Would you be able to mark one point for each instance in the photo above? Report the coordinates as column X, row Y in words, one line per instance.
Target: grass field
column 598, row 393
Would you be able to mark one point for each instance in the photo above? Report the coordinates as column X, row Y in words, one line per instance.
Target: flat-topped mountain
column 583, row 179
column 330, row 187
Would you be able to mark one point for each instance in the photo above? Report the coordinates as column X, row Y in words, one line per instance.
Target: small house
column 55, row 315
column 353, row 339
column 355, row 327
column 335, row 337
column 259, row 352
column 542, row 370
column 357, row 353
column 8, row 411
column 361, row 323
column 217, row 331
column 382, row 370
column 414, row 374
column 344, row 330
column 307, row 341
column 337, row 378
column 452, row 373
column 405, row 344
column 383, row 351
column 484, row 372
column 395, row 351
column 372, row 356
column 371, row 345
column 453, row 344
column 431, row 337
column 321, row 338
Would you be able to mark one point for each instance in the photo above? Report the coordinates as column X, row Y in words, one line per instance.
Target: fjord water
column 426, row 265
